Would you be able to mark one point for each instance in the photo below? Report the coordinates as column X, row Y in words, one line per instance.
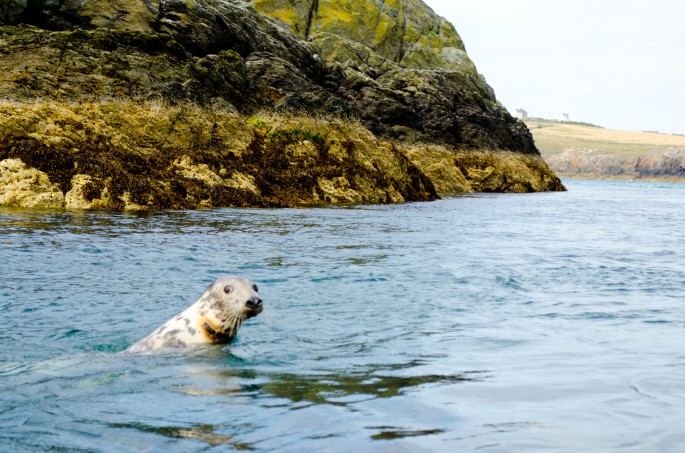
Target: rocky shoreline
column 189, row 104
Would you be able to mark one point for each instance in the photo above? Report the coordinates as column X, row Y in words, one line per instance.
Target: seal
column 214, row 318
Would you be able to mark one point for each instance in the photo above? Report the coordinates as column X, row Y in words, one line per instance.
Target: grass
column 553, row 137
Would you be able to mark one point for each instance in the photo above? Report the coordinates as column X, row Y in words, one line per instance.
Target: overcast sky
column 616, row 63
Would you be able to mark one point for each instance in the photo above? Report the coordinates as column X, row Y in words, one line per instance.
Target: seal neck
column 214, row 334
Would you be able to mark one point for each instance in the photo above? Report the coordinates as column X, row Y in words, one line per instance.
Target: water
column 542, row 322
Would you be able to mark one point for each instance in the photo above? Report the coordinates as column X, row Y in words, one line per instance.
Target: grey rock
column 12, row 10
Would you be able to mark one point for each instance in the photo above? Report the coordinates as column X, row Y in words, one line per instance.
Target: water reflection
column 203, row 433
column 338, row 389
column 342, row 390
column 393, row 432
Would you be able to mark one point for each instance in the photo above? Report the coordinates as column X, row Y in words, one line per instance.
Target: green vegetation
column 257, row 123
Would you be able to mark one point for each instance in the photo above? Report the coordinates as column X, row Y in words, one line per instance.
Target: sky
column 619, row 64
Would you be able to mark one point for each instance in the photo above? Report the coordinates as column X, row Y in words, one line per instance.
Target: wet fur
column 214, row 318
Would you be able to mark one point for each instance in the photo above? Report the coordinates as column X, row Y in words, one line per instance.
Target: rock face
column 201, row 103
column 353, row 32
column 406, row 70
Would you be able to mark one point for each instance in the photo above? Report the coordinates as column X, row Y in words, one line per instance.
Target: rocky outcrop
column 125, row 155
column 406, row 71
column 483, row 171
column 201, row 103
column 27, row 187
column 669, row 165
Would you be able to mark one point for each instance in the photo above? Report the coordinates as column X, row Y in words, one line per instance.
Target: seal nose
column 254, row 302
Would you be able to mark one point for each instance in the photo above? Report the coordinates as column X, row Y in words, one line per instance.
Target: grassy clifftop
column 582, row 150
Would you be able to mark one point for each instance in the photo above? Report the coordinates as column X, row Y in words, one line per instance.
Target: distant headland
column 584, row 150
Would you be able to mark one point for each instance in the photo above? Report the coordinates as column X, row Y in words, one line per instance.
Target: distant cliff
column 136, row 104
column 664, row 165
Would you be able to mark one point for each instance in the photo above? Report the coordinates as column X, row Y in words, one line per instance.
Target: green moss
column 258, row 123
column 289, row 18
column 294, row 135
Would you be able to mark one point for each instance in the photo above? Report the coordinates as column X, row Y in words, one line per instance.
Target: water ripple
column 514, row 323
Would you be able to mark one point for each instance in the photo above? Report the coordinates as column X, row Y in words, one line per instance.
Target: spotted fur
column 214, row 318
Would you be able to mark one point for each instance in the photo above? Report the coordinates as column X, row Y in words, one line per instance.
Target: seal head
column 214, row 318
column 225, row 305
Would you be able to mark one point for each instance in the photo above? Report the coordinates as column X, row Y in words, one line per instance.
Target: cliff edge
column 140, row 104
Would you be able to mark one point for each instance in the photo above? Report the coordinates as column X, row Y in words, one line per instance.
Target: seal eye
column 255, row 288
column 228, row 289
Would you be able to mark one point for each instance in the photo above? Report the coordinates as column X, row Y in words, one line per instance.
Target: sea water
column 539, row 322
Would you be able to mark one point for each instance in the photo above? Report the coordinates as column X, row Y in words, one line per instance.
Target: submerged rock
column 203, row 103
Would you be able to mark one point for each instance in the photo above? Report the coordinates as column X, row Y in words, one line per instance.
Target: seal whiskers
column 214, row 318
column 227, row 330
